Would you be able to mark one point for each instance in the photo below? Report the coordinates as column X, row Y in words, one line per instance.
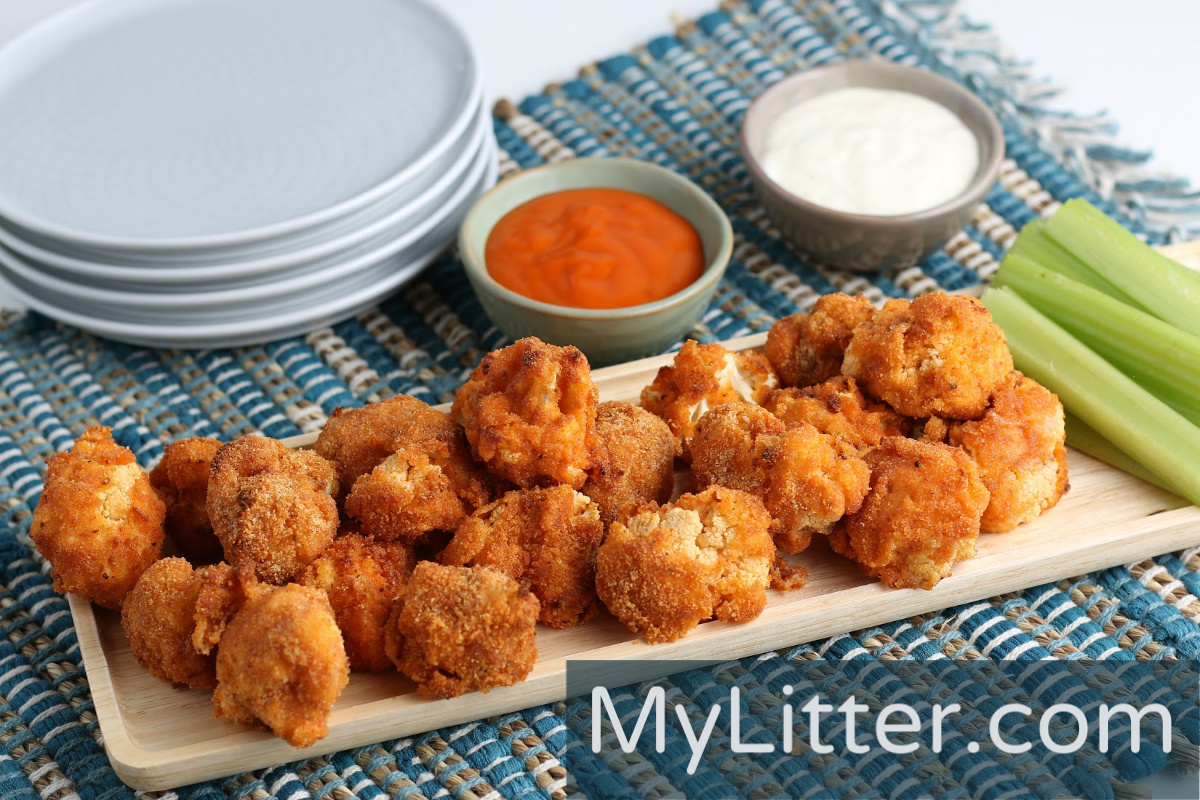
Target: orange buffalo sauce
column 594, row 248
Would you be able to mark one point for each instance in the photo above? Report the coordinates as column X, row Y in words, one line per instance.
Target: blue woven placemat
column 676, row 101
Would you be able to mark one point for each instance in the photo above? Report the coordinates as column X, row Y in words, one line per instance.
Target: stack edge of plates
column 203, row 173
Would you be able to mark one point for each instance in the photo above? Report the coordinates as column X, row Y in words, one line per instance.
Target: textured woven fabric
column 676, row 101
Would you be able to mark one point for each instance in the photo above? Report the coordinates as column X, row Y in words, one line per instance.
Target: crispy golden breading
column 939, row 355
column 544, row 538
column 933, row 429
column 663, row 570
column 281, row 662
column 1020, row 447
column 704, row 376
column 158, row 618
column 181, row 480
column 838, row 408
column 529, row 411
column 220, row 594
column 356, row 440
column 423, row 486
column 635, row 459
column 921, row 516
column 362, row 578
column 271, row 507
column 808, row 480
column 99, row 522
column 806, row 349
column 463, row 629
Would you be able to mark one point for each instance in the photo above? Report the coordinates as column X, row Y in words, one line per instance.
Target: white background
column 1137, row 59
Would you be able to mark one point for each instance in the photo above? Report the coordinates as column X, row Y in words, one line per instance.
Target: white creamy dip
column 870, row 151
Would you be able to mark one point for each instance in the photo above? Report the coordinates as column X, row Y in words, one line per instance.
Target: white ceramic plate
column 381, row 220
column 260, row 299
column 333, row 306
column 182, row 124
column 243, row 282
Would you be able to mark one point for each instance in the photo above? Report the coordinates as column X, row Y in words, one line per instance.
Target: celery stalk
column 1168, row 290
column 1158, row 356
column 1084, row 438
column 1108, row 401
column 1036, row 244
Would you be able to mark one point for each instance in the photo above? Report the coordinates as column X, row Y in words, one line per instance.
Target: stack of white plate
column 198, row 173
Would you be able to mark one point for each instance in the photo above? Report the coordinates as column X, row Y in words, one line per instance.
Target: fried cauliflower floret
column 806, row 349
column 362, row 578
column 808, row 480
column 838, row 408
column 99, row 522
column 705, row 376
column 663, row 570
column 271, row 507
column 181, row 480
column 921, row 516
column 529, row 411
column 356, row 440
column 939, row 355
column 159, row 616
column 221, row 592
column 544, row 538
column 635, row 459
column 281, row 662
column 1020, row 447
column 421, row 487
column 463, row 629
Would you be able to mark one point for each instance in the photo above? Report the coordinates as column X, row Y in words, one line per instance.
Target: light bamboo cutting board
column 159, row 736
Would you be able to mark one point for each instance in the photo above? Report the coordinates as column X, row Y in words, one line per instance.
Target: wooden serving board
column 159, row 736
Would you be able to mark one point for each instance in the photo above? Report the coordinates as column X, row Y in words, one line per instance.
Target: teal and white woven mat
column 676, row 101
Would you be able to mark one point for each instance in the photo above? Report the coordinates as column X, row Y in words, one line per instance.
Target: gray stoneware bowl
column 612, row 335
column 857, row 241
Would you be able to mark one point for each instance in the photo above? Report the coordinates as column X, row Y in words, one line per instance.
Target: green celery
column 1108, row 401
column 1084, row 438
column 1168, row 290
column 1157, row 355
column 1036, row 244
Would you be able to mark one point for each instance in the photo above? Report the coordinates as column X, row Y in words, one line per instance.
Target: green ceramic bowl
column 611, row 335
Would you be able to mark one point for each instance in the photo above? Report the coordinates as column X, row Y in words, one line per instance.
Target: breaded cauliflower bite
column 356, row 440
column 940, row 355
column 806, row 349
column 362, row 578
column 281, row 662
column 421, row 487
column 99, row 522
column 544, row 538
column 921, row 516
column 808, row 480
column 463, row 629
column 1020, row 447
column 529, row 411
column 663, row 570
column 705, row 376
column 159, row 617
column 635, row 459
column 271, row 507
column 838, row 408
column 220, row 594
column 181, row 480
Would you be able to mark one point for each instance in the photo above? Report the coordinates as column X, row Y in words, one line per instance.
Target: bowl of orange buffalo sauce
column 615, row 256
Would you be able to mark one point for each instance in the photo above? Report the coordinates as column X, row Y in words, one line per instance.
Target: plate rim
column 440, row 209
column 182, row 272
column 42, row 35
column 170, row 336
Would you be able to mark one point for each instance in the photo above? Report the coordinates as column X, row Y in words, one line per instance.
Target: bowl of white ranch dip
column 869, row 165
